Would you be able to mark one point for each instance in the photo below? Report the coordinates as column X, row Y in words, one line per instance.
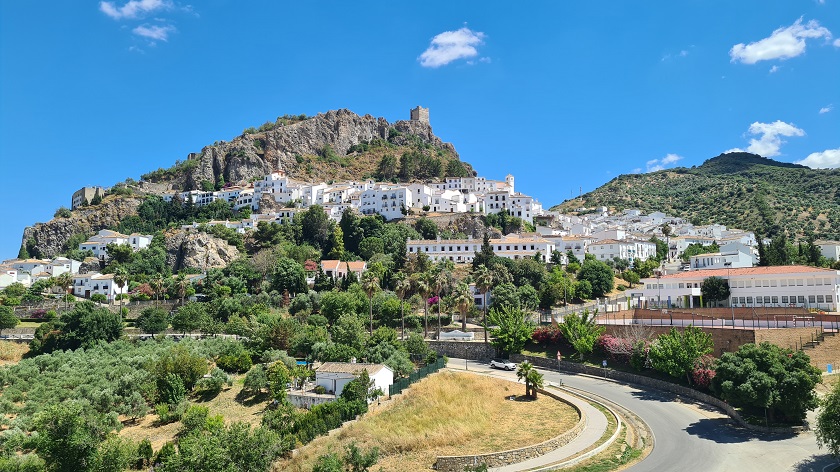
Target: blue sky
column 563, row 95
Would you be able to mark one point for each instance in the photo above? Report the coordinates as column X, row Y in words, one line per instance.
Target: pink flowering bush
column 547, row 335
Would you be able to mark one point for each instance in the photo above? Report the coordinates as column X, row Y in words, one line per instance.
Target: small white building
column 829, row 249
column 99, row 242
column 386, row 201
column 334, row 376
column 627, row 249
column 721, row 260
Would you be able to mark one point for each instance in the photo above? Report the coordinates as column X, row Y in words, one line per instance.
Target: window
column 766, row 299
column 784, row 283
column 812, row 299
column 800, row 299
column 798, row 282
column 820, row 299
column 810, row 282
column 681, row 285
column 784, row 299
column 749, row 300
column 774, row 300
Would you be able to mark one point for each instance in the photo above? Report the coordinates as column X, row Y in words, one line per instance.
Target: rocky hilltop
column 336, row 145
column 50, row 239
column 339, row 139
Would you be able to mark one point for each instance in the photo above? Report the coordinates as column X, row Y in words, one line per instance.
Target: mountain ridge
column 739, row 189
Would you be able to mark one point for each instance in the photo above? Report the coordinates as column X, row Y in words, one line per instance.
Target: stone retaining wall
column 472, row 350
column 513, row 456
column 552, row 364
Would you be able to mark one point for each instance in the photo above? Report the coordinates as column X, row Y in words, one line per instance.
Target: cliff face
column 50, row 237
column 254, row 155
column 197, row 250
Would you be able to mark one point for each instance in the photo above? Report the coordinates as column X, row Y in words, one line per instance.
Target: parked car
column 503, row 364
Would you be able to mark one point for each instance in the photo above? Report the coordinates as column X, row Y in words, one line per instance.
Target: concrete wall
column 472, row 350
column 724, row 339
column 513, row 456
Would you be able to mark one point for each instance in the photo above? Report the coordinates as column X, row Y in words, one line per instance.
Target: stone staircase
column 825, row 349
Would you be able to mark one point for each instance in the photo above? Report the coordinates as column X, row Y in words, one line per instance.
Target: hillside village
column 333, row 295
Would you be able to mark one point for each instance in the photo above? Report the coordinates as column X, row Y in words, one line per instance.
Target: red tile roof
column 768, row 270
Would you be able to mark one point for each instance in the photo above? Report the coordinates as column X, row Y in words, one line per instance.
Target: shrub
column 235, row 362
column 255, row 380
column 547, row 335
column 702, row 377
column 319, row 389
column 212, row 384
column 171, row 389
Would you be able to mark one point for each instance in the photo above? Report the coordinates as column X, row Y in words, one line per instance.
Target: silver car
column 503, row 364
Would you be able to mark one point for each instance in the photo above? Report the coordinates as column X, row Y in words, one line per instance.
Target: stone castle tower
column 420, row 114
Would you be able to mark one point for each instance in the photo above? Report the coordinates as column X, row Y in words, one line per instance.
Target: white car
column 503, row 364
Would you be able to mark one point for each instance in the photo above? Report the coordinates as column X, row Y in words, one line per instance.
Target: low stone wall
column 513, row 456
column 472, row 350
column 627, row 377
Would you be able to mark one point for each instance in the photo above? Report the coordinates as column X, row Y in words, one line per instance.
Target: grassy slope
column 739, row 190
column 445, row 414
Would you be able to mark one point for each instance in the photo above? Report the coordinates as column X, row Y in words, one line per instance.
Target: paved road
column 693, row 437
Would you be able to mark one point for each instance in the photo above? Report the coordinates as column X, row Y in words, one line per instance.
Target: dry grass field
column 11, row 352
column 448, row 413
column 224, row 404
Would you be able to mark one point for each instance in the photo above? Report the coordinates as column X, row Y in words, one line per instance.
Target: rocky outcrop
column 192, row 248
column 48, row 239
column 254, row 155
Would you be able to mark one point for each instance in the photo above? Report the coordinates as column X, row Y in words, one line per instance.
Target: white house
column 85, row 285
column 721, row 260
column 99, row 242
column 829, row 249
column 627, row 249
column 774, row 286
column 334, row 376
column 386, row 201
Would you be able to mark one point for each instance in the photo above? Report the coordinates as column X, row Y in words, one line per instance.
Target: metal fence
column 399, row 385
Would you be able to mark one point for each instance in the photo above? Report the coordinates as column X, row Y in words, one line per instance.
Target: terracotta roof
column 349, row 368
column 357, row 265
column 768, row 270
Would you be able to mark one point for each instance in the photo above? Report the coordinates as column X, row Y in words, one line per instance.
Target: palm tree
column 370, row 284
column 402, row 288
column 533, row 379
column 463, row 300
column 157, row 286
column 440, row 282
column 120, row 279
column 423, row 287
column 182, row 286
column 483, row 282
column 64, row 281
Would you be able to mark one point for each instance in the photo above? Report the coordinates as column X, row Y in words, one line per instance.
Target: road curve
column 694, row 437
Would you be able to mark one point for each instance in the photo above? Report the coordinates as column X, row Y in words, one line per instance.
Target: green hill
column 740, row 190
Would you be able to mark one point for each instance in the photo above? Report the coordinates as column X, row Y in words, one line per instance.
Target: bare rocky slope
column 291, row 148
column 49, row 239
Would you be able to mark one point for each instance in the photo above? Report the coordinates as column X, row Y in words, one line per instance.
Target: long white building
column 771, row 286
column 511, row 246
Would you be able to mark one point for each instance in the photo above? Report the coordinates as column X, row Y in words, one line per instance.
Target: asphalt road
column 694, row 437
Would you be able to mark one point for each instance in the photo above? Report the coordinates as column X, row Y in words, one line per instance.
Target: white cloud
column 154, row 32
column 827, row 109
column 828, row 159
column 784, row 43
column 770, row 137
column 637, row 170
column 450, row 46
column 836, row 43
column 774, row 69
column 654, row 165
column 133, row 9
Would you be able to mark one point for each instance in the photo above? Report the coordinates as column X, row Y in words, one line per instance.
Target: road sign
column 604, row 363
